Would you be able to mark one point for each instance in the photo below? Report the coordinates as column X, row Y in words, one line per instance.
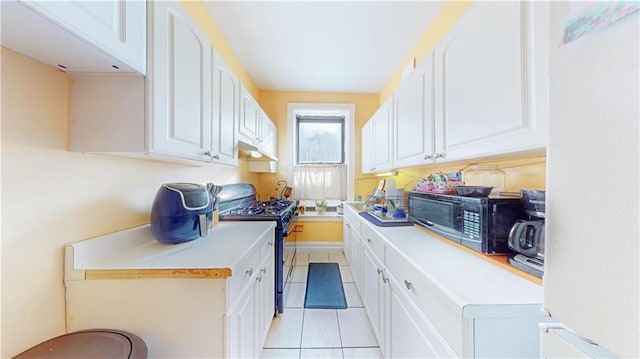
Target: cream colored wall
column 320, row 232
column 520, row 173
column 51, row 197
column 275, row 104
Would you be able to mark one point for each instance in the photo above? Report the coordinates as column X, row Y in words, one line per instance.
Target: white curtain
column 320, row 181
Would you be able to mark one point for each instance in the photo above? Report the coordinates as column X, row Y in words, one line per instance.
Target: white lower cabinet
column 266, row 299
column 183, row 317
column 409, row 334
column 373, row 291
column 418, row 314
column 249, row 323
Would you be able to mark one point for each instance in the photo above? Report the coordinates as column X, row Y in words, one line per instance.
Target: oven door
column 441, row 214
column 290, row 248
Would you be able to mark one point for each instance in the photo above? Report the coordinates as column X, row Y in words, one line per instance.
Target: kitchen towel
column 324, row 287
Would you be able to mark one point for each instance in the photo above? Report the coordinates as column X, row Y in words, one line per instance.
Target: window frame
column 319, row 119
column 348, row 110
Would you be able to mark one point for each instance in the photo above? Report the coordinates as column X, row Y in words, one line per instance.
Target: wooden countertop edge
column 501, row 261
column 205, row 273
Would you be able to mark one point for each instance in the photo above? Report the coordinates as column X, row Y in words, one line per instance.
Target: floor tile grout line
column 342, row 347
column 340, row 332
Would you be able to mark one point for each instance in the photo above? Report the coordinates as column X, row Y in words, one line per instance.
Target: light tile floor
column 321, row 333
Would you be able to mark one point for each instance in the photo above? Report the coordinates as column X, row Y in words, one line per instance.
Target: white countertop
column 226, row 245
column 465, row 278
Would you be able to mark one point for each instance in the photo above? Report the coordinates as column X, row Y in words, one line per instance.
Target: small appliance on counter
column 526, row 237
column 479, row 223
column 182, row 212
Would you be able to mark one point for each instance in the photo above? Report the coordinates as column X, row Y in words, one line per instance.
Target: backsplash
column 522, row 173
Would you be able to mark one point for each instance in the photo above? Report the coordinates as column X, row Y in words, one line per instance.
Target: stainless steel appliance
column 527, row 238
column 479, row 223
column 237, row 202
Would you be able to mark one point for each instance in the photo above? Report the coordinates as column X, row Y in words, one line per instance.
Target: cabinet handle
column 259, row 279
column 269, row 244
column 384, row 279
column 249, row 272
column 368, row 240
column 438, row 155
column 207, row 153
column 216, row 157
column 408, row 284
column 263, row 270
column 427, row 157
column 379, row 270
column 348, row 226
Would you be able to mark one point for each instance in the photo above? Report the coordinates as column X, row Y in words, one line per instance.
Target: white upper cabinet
column 249, row 117
column 181, row 84
column 377, row 140
column 491, row 81
column 367, row 147
column 414, row 116
column 383, row 137
column 482, row 92
column 79, row 36
column 255, row 127
column 225, row 114
column 185, row 110
column 268, row 135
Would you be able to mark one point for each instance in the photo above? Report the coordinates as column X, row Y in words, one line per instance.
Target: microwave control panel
column 471, row 224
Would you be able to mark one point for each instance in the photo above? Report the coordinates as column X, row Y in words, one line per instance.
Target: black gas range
column 237, row 202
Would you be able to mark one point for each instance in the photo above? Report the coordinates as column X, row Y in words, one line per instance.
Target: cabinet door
column 115, row 26
column 242, row 327
column 346, row 238
column 181, row 84
column 356, row 254
column 367, row 145
column 414, row 120
column 406, row 334
column 225, row 113
column 249, row 117
column 488, row 73
column 265, row 304
column 382, row 146
column 268, row 134
column 373, row 292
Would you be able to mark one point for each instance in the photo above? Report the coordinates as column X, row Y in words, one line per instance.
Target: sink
column 359, row 206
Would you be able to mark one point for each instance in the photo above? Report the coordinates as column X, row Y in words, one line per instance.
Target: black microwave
column 479, row 223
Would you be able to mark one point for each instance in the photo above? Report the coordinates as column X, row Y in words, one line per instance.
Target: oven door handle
column 291, row 227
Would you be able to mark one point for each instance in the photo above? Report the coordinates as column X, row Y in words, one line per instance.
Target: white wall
column 593, row 272
column 51, row 196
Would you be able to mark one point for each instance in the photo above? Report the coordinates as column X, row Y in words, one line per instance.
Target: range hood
column 252, row 152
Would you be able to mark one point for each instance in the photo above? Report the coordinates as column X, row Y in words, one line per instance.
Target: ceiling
column 329, row 46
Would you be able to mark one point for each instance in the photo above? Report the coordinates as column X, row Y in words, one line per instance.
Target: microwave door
column 438, row 216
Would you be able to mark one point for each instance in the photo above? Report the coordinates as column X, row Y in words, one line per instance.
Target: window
column 321, row 143
column 320, row 139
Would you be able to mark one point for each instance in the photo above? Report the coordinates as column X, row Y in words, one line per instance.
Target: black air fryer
column 181, row 212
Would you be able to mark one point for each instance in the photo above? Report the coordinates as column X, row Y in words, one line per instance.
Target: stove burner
column 269, row 208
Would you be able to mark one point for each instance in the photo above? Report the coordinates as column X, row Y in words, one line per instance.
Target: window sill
column 309, row 216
